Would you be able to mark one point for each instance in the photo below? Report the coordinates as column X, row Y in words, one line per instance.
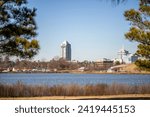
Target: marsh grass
column 21, row 90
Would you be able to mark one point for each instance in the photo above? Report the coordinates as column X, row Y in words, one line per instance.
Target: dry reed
column 21, row 90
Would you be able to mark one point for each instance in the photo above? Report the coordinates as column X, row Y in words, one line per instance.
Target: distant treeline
column 56, row 63
column 21, row 90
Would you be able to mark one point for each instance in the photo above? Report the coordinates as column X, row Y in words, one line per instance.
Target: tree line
column 52, row 65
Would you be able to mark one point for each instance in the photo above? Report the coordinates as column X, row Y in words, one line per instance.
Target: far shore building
column 125, row 57
column 66, row 50
column 104, row 64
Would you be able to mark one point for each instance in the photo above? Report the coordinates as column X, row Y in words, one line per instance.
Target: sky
column 94, row 28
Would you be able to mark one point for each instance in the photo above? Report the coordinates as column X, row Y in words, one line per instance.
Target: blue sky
column 95, row 28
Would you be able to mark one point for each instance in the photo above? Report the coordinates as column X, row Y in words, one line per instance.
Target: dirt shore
column 110, row 97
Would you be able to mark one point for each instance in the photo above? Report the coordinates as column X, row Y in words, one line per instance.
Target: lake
column 81, row 79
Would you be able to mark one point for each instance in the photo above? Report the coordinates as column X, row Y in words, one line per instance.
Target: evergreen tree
column 121, row 1
column 140, row 32
column 17, row 29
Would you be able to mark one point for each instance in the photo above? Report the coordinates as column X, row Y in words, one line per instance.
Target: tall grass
column 21, row 90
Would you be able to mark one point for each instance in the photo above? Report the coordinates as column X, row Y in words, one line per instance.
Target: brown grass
column 21, row 90
column 106, row 97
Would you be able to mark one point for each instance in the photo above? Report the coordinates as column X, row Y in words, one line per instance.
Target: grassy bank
column 106, row 97
column 21, row 90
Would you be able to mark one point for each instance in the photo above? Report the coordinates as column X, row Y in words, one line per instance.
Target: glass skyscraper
column 66, row 50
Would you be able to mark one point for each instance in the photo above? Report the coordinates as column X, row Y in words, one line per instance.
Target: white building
column 66, row 50
column 125, row 57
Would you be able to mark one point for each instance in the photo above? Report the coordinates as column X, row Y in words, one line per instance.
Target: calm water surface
column 82, row 79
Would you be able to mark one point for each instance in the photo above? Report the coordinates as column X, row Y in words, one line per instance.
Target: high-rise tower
column 66, row 50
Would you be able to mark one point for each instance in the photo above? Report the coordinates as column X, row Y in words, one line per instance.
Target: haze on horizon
column 94, row 28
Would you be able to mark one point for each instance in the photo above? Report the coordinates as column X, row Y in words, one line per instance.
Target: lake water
column 82, row 79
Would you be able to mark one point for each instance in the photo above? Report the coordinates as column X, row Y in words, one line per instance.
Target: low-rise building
column 104, row 64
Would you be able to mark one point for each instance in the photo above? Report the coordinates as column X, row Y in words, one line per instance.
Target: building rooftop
column 123, row 51
column 65, row 43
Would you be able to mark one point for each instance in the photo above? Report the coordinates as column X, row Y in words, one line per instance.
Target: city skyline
column 95, row 28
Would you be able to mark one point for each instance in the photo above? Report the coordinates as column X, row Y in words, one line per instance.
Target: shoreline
column 78, row 72
column 105, row 97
